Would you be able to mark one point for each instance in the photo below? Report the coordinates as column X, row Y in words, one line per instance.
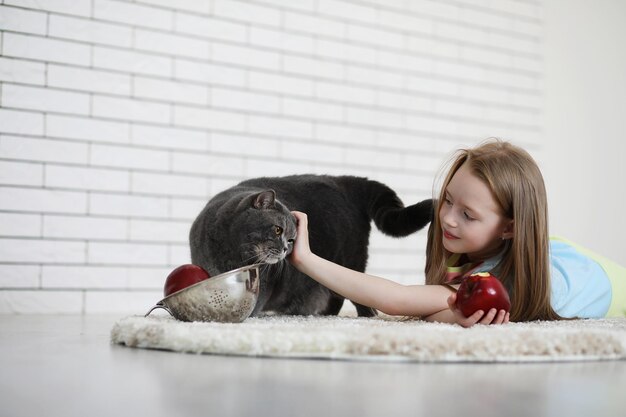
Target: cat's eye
column 278, row 230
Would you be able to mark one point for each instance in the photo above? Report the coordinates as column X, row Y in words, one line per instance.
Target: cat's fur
column 251, row 223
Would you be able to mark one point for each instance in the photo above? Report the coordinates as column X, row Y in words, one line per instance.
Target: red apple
column 482, row 291
column 182, row 277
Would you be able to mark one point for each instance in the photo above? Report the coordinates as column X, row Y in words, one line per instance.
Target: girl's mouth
column 449, row 235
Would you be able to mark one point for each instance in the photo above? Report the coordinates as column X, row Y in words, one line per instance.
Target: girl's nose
column 448, row 219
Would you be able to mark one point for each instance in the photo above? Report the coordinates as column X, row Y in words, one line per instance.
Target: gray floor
column 65, row 366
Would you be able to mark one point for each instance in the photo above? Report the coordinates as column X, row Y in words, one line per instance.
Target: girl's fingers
column 488, row 318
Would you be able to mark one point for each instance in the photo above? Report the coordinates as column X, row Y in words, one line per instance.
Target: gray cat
column 251, row 223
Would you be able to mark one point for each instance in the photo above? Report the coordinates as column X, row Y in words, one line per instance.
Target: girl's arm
column 429, row 301
column 379, row 293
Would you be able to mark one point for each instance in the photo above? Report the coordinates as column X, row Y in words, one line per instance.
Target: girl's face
column 471, row 220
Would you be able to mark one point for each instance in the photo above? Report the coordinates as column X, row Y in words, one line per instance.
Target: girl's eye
column 467, row 216
column 278, row 230
column 448, row 202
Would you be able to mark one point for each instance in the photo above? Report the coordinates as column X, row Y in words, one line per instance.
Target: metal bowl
column 229, row 297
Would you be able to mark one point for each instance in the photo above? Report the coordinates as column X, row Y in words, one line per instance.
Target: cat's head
column 263, row 229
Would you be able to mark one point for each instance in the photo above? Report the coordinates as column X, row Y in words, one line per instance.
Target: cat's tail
column 388, row 212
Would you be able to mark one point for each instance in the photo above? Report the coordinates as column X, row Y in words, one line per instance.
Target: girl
column 491, row 216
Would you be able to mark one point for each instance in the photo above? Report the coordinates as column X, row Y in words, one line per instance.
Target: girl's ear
column 509, row 230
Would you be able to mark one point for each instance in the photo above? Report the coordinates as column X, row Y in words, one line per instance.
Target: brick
column 425, row 163
column 170, row 91
column 344, row 134
column 19, row 276
column 128, row 205
column 314, row 67
column 130, row 109
column 129, row 157
column 280, row 127
column 133, row 14
column 520, row 8
column 244, row 100
column 88, row 80
column 170, row 44
column 424, row 84
column 119, row 253
column 406, row 141
column 404, row 101
column 169, row 184
column 168, row 137
column 432, row 125
column 260, row 168
column 375, row 77
column 86, row 128
column 375, row 158
column 312, row 152
column 84, row 227
column 44, row 99
column 345, row 93
column 86, row 178
column 120, row 302
column 188, row 5
column 83, row 277
column 179, row 254
column 47, row 251
column 348, row 11
column 375, row 36
column 432, row 47
column 44, row 49
column 213, row 74
column 316, row 25
column 147, row 277
column 246, row 56
column 205, row 164
column 209, row 119
column 133, row 62
column 246, row 12
column 459, row 108
column 285, row 41
column 210, row 27
column 63, row 6
column 159, row 231
column 220, row 184
column 486, row 19
column 38, row 200
column 20, row 20
column 19, row 224
column 375, row 117
column 406, row 22
column 460, row 71
column 244, row 145
column 400, row 63
column 31, row 149
column 86, row 30
column 313, row 109
column 189, row 208
column 18, row 71
column 346, row 52
column 280, row 83
column 40, row 302
column 21, row 122
column 20, row 173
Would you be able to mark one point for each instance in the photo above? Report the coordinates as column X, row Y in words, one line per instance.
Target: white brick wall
column 120, row 119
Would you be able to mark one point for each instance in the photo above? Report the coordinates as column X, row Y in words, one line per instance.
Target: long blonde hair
column 518, row 188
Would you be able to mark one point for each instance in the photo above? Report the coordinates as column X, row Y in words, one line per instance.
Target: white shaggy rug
column 381, row 338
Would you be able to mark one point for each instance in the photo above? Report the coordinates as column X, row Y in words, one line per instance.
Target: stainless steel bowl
column 229, row 297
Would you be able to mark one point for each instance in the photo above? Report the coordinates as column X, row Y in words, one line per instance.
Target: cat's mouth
column 272, row 257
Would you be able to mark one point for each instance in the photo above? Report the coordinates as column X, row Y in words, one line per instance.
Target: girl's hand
column 301, row 249
column 493, row 316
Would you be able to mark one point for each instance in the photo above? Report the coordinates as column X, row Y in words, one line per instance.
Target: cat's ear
column 265, row 199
